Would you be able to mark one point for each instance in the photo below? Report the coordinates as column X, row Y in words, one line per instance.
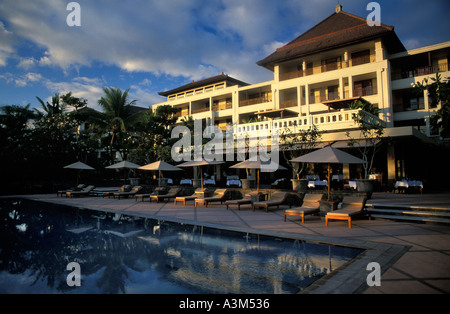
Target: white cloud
column 82, row 87
column 175, row 37
column 22, row 80
column 145, row 98
column 26, row 63
column 7, row 42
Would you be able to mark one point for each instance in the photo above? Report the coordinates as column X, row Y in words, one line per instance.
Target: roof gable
column 338, row 30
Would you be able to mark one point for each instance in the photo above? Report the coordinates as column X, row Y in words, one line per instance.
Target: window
column 413, row 101
column 309, row 68
column 364, row 88
column 360, row 57
column 331, row 64
column 333, row 92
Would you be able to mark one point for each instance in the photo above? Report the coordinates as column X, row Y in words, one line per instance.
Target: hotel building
column 315, row 78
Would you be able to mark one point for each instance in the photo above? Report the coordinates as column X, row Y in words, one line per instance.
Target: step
column 410, row 212
column 409, row 207
column 412, row 219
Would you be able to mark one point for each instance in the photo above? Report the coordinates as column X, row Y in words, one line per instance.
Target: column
column 341, row 88
column 350, row 87
column 391, row 162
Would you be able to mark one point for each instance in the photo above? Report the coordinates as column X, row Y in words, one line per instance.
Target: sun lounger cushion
column 277, row 199
column 309, row 206
column 351, row 206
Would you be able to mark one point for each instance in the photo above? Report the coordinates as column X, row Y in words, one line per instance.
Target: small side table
column 327, row 206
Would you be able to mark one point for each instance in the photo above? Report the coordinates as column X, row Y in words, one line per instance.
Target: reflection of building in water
column 208, row 262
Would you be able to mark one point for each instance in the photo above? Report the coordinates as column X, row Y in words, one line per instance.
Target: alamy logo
column 374, row 17
column 374, row 277
column 74, row 17
column 74, row 277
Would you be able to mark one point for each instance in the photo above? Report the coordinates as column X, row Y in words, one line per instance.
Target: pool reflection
column 123, row 254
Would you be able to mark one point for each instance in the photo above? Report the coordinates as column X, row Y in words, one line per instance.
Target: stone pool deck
column 414, row 258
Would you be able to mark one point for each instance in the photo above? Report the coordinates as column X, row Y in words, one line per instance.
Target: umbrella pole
column 257, row 180
column 159, row 178
column 329, row 185
column 201, row 176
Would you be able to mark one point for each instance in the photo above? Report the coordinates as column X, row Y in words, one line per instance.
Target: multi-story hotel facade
column 316, row 76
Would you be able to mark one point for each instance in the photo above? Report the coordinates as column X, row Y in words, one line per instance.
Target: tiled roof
column 207, row 81
column 338, row 30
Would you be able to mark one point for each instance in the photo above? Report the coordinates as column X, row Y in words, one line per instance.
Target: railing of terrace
column 332, row 121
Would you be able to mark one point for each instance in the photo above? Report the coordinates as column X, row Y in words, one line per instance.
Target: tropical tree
column 154, row 134
column 56, row 107
column 117, row 118
column 298, row 144
column 74, row 102
column 16, row 142
column 370, row 134
column 438, row 91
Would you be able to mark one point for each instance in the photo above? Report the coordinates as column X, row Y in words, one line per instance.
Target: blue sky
column 151, row 46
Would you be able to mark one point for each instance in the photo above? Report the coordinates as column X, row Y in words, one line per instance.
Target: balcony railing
column 254, row 101
column 288, row 103
column 291, row 75
column 360, row 60
column 218, row 107
column 331, row 66
column 199, row 110
column 333, row 121
column 419, row 71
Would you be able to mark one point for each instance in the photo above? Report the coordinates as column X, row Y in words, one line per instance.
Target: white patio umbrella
column 329, row 155
column 200, row 163
column 79, row 166
column 257, row 164
column 160, row 166
column 123, row 165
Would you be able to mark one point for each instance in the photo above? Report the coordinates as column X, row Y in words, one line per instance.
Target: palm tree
column 117, row 114
column 55, row 107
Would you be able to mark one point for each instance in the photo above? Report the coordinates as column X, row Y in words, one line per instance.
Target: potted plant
column 295, row 145
column 369, row 141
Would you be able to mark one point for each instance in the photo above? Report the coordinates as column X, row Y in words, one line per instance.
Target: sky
column 150, row 46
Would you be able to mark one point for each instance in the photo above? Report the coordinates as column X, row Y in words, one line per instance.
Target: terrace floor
column 414, row 258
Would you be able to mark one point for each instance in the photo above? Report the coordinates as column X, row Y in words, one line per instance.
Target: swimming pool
column 125, row 254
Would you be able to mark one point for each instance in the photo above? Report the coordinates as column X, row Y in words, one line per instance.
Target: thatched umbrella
column 255, row 163
column 200, row 163
column 123, row 165
column 329, row 155
column 160, row 166
column 79, row 166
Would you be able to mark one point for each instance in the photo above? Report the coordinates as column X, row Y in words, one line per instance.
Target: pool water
column 124, row 254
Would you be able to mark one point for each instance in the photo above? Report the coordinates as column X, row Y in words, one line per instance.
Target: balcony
column 199, row 110
column 419, row 71
column 222, row 106
column 332, row 121
column 288, row 103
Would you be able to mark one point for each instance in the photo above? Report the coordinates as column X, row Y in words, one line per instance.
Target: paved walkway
column 414, row 258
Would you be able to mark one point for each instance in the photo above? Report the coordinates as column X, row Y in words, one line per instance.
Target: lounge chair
column 133, row 191
column 309, row 206
column 173, row 192
column 79, row 187
column 83, row 192
column 156, row 191
column 197, row 194
column 351, row 207
column 218, row 196
column 277, row 199
column 247, row 199
column 123, row 188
